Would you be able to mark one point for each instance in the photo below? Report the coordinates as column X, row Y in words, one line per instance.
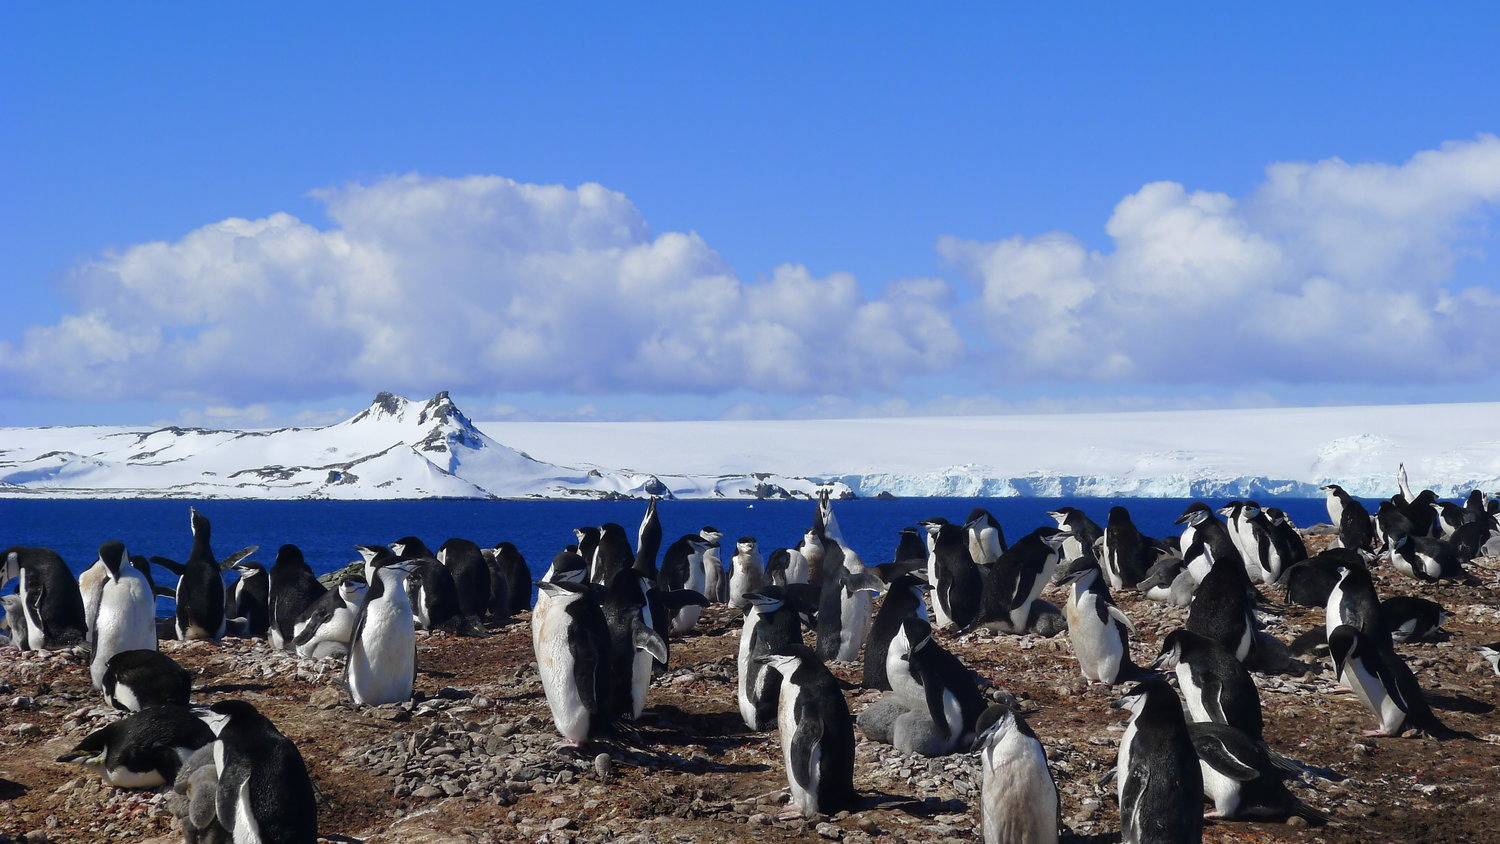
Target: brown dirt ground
column 703, row 766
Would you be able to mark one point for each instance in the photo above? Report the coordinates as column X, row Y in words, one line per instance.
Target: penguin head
column 1334, row 491
column 917, row 635
column 745, row 545
column 10, row 568
column 1344, row 643
column 768, row 600
column 1172, row 648
column 1196, row 514
column 373, row 555
column 410, row 547
column 1491, row 652
column 1143, row 694
column 112, row 555
column 290, row 555
column 997, row 721
column 712, row 534
column 563, row 588
column 813, row 538
column 352, row 589
column 1081, row 571
column 226, row 712
column 1118, row 517
column 788, row 659
column 1228, row 510
column 1278, row 517
column 198, row 523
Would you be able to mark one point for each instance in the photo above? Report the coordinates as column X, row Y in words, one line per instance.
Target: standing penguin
column 127, row 611
column 1018, row 797
column 612, row 555
column 200, row 589
column 715, row 584
column 294, row 588
column 1125, row 554
column 1354, row 602
column 905, row 598
column 747, row 572
column 1220, row 608
column 1099, row 630
column 986, row 536
column 49, row 598
column 682, row 568
column 572, row 643
column 1293, row 549
column 812, row 550
column 844, row 605
column 816, row 732
column 510, row 577
column 1215, row 685
column 247, row 602
column 1158, row 783
column 1205, row 540
column 786, row 565
column 327, row 627
column 264, row 791
column 14, row 613
column 648, row 541
column 1255, row 538
column 957, row 586
column 634, row 642
column 771, row 624
column 433, row 597
column 382, row 664
column 1082, row 532
column 1384, row 684
column 137, row 680
column 471, row 579
column 142, row 750
column 1015, row 581
column 1356, row 530
column 1242, row 779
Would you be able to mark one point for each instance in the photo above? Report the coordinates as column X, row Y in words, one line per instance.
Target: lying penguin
column 934, row 703
column 143, row 750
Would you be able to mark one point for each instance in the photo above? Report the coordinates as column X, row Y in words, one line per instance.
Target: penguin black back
column 293, row 589
column 612, row 555
column 51, row 597
column 471, row 578
column 200, row 591
column 261, row 761
column 510, row 578
column 903, row 600
column 648, row 542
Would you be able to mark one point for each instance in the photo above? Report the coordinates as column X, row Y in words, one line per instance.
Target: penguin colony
column 605, row 614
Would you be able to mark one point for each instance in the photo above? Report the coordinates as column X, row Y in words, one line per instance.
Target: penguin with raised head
column 715, row 583
column 1205, row 540
column 1220, row 608
column 326, row 628
column 957, row 585
column 140, row 679
column 1158, row 783
column 1356, row 530
column 247, row 602
column 1099, row 630
column 1015, row 581
column 1125, row 554
column 50, row 601
column 144, row 749
column 1384, row 684
column 200, row 589
column 1243, row 780
column 986, row 536
column 648, row 541
column 772, row 623
column 634, row 642
column 812, row 550
column 588, row 545
column 1018, row 802
column 1413, row 619
column 264, row 791
column 471, row 579
column 127, row 611
column 747, row 572
column 816, row 732
column 572, row 642
column 382, row 663
column 510, row 577
column 905, row 597
column 1215, row 686
column 1082, row 531
column 294, row 588
column 612, row 555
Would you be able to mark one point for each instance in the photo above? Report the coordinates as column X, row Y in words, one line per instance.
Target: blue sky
column 960, row 167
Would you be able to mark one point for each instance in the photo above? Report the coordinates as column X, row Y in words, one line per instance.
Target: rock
column 1296, row 822
column 37, row 836
column 829, row 831
column 426, row 792
column 604, row 766
column 26, row 730
column 560, row 824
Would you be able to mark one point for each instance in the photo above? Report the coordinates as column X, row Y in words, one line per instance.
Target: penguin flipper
column 1227, row 750
column 648, row 640
column 805, row 743
column 170, row 565
column 676, row 599
column 233, row 560
column 164, row 591
column 1119, row 615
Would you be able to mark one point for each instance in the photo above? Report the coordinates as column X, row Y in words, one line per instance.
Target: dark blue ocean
column 328, row 530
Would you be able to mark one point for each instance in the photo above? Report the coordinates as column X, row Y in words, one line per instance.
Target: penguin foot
column 791, row 813
column 1375, row 734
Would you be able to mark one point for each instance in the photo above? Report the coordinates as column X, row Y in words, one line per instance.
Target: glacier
column 399, row 448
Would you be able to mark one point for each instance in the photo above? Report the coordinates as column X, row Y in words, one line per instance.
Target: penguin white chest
column 805, row 799
column 854, row 616
column 555, row 665
column 383, row 662
column 1019, row 801
column 1192, row 693
column 749, row 672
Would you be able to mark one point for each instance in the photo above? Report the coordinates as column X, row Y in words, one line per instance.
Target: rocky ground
column 474, row 758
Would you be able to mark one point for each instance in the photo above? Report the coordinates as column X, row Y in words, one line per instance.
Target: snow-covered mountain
column 395, row 448
column 398, row 448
